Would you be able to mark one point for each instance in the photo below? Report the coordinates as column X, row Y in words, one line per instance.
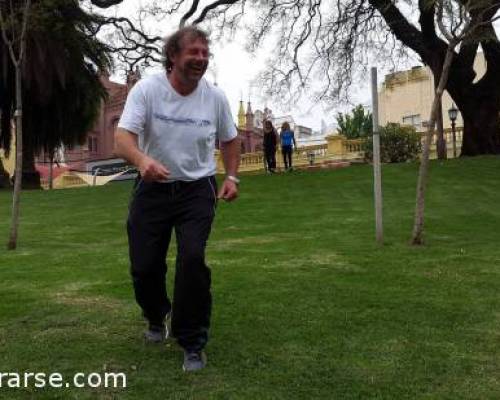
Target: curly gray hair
column 173, row 43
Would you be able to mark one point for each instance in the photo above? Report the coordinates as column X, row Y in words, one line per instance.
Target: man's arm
column 126, row 146
column 231, row 156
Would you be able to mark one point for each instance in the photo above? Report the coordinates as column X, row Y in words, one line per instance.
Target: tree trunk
column 16, row 197
column 479, row 105
column 442, row 153
column 481, row 128
column 418, row 226
column 18, row 115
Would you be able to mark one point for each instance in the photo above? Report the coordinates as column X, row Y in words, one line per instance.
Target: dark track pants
column 287, row 156
column 155, row 210
column 270, row 156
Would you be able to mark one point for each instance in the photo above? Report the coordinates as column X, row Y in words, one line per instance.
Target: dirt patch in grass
column 324, row 260
column 89, row 302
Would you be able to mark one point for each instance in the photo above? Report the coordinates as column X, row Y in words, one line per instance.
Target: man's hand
column 126, row 146
column 152, row 171
column 228, row 191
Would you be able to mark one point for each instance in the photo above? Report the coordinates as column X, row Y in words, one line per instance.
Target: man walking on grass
column 168, row 131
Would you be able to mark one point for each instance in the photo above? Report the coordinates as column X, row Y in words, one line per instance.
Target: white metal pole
column 377, row 176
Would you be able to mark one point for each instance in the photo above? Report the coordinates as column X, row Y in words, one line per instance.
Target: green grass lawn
column 306, row 305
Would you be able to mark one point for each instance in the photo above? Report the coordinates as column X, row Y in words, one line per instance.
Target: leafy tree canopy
column 61, row 86
column 356, row 124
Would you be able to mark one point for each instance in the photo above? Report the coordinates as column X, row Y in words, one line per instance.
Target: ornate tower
column 249, row 117
column 241, row 116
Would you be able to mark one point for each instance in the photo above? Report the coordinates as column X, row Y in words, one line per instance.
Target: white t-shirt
column 179, row 131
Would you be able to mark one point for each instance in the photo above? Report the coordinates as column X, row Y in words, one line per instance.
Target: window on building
column 413, row 120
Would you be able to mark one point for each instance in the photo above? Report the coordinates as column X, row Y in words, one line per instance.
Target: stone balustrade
column 337, row 149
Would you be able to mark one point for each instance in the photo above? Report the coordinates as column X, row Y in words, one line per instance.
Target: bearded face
column 191, row 63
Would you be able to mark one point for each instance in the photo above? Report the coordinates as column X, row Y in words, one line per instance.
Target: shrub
column 355, row 125
column 398, row 143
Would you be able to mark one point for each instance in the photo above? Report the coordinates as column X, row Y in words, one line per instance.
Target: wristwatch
column 232, row 178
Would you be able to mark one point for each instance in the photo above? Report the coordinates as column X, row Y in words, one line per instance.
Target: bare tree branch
column 189, row 13
column 105, row 3
column 130, row 44
column 212, row 6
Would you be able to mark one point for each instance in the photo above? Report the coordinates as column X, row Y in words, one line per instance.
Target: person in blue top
column 287, row 137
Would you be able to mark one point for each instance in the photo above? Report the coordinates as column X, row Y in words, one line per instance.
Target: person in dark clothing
column 287, row 137
column 270, row 140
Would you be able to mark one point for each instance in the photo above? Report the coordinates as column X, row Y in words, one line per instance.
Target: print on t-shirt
column 182, row 121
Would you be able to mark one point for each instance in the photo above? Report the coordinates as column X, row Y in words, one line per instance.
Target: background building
column 249, row 128
column 406, row 96
column 100, row 140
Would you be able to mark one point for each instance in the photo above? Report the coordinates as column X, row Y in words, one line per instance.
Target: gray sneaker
column 194, row 360
column 157, row 333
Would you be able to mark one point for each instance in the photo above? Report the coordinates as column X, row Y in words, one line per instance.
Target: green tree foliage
column 358, row 124
column 61, row 87
column 398, row 143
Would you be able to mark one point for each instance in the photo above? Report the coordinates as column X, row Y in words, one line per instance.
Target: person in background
column 287, row 137
column 270, row 140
